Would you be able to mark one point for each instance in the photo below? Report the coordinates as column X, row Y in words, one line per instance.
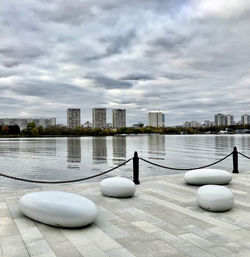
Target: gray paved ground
column 161, row 220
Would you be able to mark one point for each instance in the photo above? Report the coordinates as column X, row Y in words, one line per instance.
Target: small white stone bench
column 215, row 198
column 58, row 208
column 207, row 176
column 117, row 187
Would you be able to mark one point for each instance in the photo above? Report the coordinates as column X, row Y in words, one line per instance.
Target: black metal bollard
column 136, row 168
column 235, row 160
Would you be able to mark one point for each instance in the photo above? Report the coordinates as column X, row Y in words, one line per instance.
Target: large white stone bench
column 215, row 198
column 59, row 208
column 117, row 187
column 207, row 176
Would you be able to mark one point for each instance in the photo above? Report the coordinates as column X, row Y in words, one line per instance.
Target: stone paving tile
column 110, row 229
column 162, row 219
column 101, row 239
column 221, row 251
column 195, row 251
column 46, row 255
column 121, row 252
column 196, row 240
column 92, row 250
column 13, row 246
column 78, row 238
column 65, row 249
column 38, row 247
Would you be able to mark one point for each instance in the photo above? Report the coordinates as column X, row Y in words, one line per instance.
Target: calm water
column 71, row 158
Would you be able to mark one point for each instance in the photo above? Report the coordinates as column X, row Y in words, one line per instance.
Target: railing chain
column 183, row 169
column 66, row 181
column 242, row 154
column 136, row 174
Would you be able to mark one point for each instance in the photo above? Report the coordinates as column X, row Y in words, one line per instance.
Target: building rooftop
column 162, row 219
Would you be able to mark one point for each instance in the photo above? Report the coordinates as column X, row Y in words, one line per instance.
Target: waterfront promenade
column 161, row 220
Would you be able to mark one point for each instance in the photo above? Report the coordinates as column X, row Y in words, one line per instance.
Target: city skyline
column 186, row 58
column 74, row 119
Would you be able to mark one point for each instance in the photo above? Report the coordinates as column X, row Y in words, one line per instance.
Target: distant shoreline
column 131, row 134
column 12, row 131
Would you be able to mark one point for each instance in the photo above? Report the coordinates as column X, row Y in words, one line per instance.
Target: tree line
column 34, row 131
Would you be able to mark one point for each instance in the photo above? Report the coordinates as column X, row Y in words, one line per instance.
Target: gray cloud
column 47, row 89
column 137, row 77
column 177, row 76
column 107, row 82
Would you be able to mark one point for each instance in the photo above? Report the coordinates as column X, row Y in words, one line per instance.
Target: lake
column 73, row 157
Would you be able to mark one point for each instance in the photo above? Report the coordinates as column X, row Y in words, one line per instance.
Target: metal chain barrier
column 63, row 182
column 202, row 167
column 244, row 155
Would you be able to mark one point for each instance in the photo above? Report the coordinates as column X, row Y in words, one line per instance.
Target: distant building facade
column 22, row 122
column 192, row 124
column 220, row 119
column 119, row 118
column 223, row 120
column 245, row 119
column 99, row 119
column 73, row 117
column 156, row 119
column 230, row 120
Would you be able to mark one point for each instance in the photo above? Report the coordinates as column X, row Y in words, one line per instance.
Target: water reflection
column 99, row 145
column 61, row 158
column 119, row 149
column 245, row 143
column 29, row 147
column 156, row 146
column 224, row 142
column 73, row 151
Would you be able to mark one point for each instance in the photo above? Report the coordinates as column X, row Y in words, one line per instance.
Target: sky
column 189, row 59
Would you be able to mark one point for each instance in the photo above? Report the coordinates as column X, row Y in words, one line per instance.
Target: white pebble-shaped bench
column 207, row 176
column 117, row 187
column 215, row 198
column 58, row 208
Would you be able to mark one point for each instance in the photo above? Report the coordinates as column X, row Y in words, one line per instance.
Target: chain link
column 244, row 155
column 63, row 182
column 171, row 168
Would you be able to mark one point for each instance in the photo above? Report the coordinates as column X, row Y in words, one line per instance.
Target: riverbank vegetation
column 33, row 131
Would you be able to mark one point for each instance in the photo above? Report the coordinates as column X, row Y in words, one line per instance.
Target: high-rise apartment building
column 119, row 118
column 73, row 118
column 156, row 119
column 223, row 120
column 220, row 120
column 230, row 120
column 245, row 119
column 99, row 117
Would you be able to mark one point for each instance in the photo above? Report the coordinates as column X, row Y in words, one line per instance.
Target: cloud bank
column 188, row 58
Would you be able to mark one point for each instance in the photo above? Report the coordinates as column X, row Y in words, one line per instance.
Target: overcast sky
column 187, row 58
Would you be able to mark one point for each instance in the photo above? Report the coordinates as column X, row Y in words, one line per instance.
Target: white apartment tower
column 220, row 120
column 99, row 117
column 245, row 119
column 73, row 118
column 119, row 118
column 230, row 119
column 156, row 119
